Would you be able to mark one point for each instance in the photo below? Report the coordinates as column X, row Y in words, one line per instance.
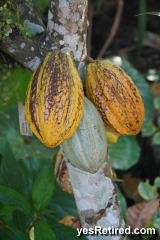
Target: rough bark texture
column 95, row 194
column 96, row 199
column 67, row 24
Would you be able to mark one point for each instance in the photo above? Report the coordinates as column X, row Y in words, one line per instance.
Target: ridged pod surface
column 61, row 174
column 115, row 96
column 86, row 149
column 54, row 99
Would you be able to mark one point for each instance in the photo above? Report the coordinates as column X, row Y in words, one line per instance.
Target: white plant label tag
column 24, row 126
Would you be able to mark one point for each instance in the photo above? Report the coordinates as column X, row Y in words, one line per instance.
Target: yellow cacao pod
column 61, row 174
column 54, row 99
column 115, row 96
column 71, row 221
column 111, row 137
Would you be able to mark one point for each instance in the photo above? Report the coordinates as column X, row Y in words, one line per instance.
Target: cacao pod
column 54, row 99
column 115, row 96
column 86, row 149
column 71, row 221
column 61, row 174
column 111, row 137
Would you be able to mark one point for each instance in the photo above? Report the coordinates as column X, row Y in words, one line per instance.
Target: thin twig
column 114, row 28
column 90, row 19
column 4, row 226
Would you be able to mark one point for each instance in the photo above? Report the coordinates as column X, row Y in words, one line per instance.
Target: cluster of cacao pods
column 58, row 112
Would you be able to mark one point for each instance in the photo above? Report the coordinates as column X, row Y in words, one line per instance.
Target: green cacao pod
column 54, row 99
column 115, row 96
column 86, row 149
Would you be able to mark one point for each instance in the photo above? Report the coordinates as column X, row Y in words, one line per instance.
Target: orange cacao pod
column 115, row 96
column 61, row 174
column 71, row 221
column 54, row 99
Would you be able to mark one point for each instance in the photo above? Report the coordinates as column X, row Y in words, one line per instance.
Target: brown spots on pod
column 61, row 174
column 109, row 87
column 54, row 99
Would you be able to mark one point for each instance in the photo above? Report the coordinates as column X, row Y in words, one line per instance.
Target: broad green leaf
column 148, row 226
column 123, row 204
column 7, row 209
column 42, row 231
column 20, row 220
column 156, row 223
column 12, row 198
column 18, row 235
column 47, row 211
column 35, row 164
column 141, row 24
column 4, row 235
column 62, row 203
column 156, row 139
column 11, row 174
column 148, row 129
column 43, row 188
column 17, row 85
column 9, row 130
column 157, row 182
column 147, row 191
column 141, row 84
column 124, row 153
column 65, row 233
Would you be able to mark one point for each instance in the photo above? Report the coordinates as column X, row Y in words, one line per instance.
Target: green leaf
column 18, row 235
column 7, row 209
column 17, row 83
column 141, row 84
column 150, row 13
column 41, row 3
column 57, row 204
column 65, row 233
column 47, row 211
column 9, row 130
column 148, row 129
column 141, row 24
column 147, row 191
column 156, row 223
column 43, row 188
column 157, row 182
column 124, row 153
column 156, row 139
column 123, row 204
column 11, row 174
column 42, row 231
column 12, row 198
column 5, row 235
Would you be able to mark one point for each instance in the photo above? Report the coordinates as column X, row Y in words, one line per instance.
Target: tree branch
column 29, row 16
column 28, row 52
column 67, row 24
column 113, row 30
